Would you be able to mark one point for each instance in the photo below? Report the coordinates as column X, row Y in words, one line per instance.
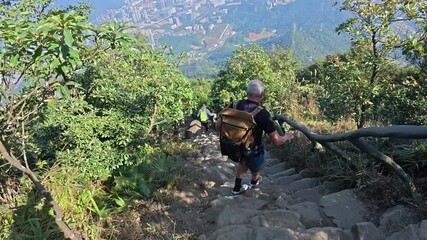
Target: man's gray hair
column 255, row 88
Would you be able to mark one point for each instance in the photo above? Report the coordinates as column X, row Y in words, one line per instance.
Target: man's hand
column 278, row 140
column 288, row 136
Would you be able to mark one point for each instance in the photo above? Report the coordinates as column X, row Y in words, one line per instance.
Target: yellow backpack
column 236, row 137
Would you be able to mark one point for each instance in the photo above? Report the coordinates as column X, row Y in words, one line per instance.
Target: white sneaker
column 257, row 182
column 242, row 189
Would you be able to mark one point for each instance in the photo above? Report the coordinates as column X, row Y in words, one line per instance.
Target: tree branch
column 41, row 189
column 313, row 137
column 401, row 131
column 152, row 121
column 405, row 178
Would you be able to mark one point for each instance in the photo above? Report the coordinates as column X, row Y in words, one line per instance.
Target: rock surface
column 292, row 205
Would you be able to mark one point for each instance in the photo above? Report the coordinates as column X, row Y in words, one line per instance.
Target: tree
column 378, row 29
column 276, row 70
column 356, row 138
column 127, row 99
column 39, row 52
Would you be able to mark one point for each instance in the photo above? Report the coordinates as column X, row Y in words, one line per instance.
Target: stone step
column 344, row 208
column 311, row 214
column 286, row 180
column 287, row 172
column 326, row 233
column 412, row 232
column 304, row 183
column 234, row 215
column 270, row 161
column 314, row 194
column 245, row 232
column 240, row 201
column 276, row 168
column 293, row 205
column 279, row 218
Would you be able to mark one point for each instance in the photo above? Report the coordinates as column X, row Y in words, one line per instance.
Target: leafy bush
column 276, row 69
column 117, row 107
column 405, row 100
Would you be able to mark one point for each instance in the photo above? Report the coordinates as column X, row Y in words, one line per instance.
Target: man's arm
column 278, row 140
column 218, row 124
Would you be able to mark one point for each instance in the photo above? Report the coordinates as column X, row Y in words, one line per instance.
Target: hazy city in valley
column 208, row 31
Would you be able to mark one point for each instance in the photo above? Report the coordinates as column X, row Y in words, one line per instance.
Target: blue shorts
column 256, row 163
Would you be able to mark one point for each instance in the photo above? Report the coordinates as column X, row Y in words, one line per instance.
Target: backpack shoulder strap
column 256, row 110
column 234, row 104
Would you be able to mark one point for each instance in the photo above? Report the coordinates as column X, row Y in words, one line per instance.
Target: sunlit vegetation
column 90, row 115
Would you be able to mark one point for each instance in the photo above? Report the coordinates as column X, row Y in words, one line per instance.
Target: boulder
column 244, row 232
column 326, row 233
column 310, row 214
column 344, row 208
column 194, row 129
column 412, row 232
column 234, row 216
column 367, row 231
column 396, row 218
column 277, row 219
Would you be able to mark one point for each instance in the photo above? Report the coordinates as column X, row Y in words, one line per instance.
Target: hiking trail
column 290, row 205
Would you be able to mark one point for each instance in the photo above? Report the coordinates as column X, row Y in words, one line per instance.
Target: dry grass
column 381, row 188
column 377, row 183
column 170, row 213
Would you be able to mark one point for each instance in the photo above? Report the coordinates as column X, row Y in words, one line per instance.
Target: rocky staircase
column 292, row 205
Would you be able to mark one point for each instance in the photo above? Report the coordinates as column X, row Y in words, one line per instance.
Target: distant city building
column 177, row 21
column 170, row 3
column 145, row 15
column 186, row 17
column 217, row 3
column 136, row 15
column 161, row 4
column 219, row 20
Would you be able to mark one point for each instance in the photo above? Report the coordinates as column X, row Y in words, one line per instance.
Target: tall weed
column 156, row 169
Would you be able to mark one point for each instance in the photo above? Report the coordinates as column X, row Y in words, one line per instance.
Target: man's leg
column 241, row 171
column 255, row 176
column 256, row 165
column 204, row 127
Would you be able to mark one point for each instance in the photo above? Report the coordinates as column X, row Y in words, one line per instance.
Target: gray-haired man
column 255, row 164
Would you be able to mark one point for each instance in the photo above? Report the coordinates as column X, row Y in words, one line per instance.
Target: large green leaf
column 68, row 37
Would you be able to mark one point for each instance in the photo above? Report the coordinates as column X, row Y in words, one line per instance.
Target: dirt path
column 287, row 205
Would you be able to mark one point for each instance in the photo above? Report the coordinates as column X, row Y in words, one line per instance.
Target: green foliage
column 10, row 198
column 99, row 96
column 200, row 69
column 396, row 97
column 344, row 87
column 91, row 140
column 157, row 168
column 40, row 52
column 202, row 89
column 405, row 100
column 375, row 36
column 49, row 44
column 311, row 44
column 118, row 106
column 276, row 70
column 245, row 64
column 22, row 214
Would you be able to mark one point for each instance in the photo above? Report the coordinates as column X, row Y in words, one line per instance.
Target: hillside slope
column 306, row 26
